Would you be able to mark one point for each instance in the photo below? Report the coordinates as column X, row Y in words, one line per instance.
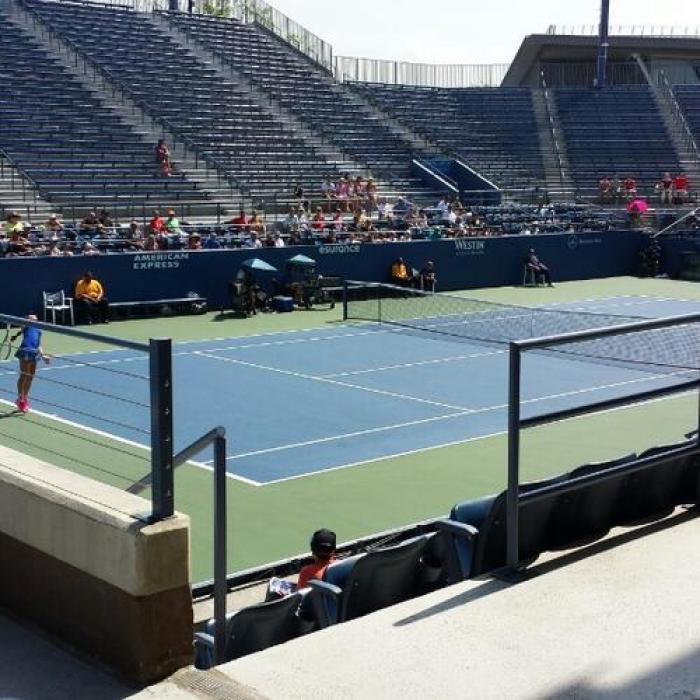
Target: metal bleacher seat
column 260, row 626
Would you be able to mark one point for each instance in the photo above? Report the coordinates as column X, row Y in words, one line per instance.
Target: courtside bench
column 158, row 307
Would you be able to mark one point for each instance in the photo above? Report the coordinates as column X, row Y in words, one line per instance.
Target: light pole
column 603, row 45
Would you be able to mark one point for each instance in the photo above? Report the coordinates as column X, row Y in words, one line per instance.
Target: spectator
column 328, row 192
column 318, row 222
column 629, row 186
column 90, row 301
column 134, row 236
column 539, row 269
column 665, row 189
column 194, row 242
column 256, row 223
column 278, row 241
column 91, row 225
column 162, row 155
column 172, row 224
column 298, row 195
column 54, row 224
column 605, row 190
column 239, row 222
column 358, row 192
column 13, row 224
column 105, row 219
column 156, row 225
column 371, row 192
column 427, row 276
column 680, row 186
column 89, row 249
column 342, row 193
column 323, row 544
column 400, row 273
column 337, row 223
column 212, row 241
column 253, row 240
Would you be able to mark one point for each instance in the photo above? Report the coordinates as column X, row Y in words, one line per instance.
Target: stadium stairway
column 303, row 92
column 494, row 130
column 78, row 151
column 226, row 199
column 19, row 194
column 218, row 117
column 681, row 109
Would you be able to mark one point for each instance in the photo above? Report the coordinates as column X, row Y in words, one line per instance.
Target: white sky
column 465, row 31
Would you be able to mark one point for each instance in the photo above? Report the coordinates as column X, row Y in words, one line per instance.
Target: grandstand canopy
column 678, row 57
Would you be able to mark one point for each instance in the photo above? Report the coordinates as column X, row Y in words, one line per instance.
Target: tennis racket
column 5, row 343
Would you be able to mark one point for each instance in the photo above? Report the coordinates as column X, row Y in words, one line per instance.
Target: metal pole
column 345, row 300
column 220, row 585
column 163, row 491
column 603, row 44
column 512, row 514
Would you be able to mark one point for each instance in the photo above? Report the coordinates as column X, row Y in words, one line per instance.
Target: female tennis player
column 28, row 353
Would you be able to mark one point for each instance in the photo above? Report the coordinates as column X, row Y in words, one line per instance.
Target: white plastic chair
column 58, row 302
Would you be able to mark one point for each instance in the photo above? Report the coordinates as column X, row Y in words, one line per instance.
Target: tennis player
column 28, row 354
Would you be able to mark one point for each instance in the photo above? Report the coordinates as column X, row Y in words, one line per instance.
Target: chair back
column 261, row 626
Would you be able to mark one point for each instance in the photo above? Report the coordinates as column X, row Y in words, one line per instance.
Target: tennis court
column 345, row 415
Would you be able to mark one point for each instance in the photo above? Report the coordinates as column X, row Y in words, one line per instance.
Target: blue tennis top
column 31, row 339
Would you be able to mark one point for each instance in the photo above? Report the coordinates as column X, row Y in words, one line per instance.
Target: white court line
column 454, row 443
column 123, row 441
column 465, row 412
column 334, row 382
column 420, row 363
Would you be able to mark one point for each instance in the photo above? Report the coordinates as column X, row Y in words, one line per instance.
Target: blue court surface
column 298, row 403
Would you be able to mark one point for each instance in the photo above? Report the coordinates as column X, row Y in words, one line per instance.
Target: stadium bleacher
column 309, row 92
column 688, row 97
column 493, row 130
column 616, row 131
column 78, row 151
column 220, row 119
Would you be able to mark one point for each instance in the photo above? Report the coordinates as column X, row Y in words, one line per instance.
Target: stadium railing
column 636, row 346
column 160, row 389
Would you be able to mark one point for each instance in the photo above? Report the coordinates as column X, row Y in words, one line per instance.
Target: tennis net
column 668, row 350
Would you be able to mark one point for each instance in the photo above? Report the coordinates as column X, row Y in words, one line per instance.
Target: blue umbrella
column 258, row 265
column 301, row 261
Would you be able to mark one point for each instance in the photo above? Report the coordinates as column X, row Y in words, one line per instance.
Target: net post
column 161, row 390
column 220, row 584
column 512, row 494
column 345, row 300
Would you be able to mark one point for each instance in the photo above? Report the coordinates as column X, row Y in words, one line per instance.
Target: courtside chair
column 58, row 302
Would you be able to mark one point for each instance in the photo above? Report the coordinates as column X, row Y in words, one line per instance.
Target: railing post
column 161, row 389
column 512, row 511
column 220, row 585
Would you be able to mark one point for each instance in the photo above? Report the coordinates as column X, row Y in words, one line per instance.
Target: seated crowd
column 671, row 189
column 389, row 221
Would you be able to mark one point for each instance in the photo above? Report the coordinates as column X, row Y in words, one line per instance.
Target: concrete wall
column 465, row 263
column 79, row 559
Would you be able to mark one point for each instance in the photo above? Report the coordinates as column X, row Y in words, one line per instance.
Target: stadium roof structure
column 553, row 48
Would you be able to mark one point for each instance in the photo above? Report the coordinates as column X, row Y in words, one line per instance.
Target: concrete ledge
column 93, row 527
column 77, row 558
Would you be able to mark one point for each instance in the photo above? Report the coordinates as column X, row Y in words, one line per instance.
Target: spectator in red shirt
column 680, row 185
column 239, row 221
column 156, row 224
column 323, row 549
column 318, row 222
